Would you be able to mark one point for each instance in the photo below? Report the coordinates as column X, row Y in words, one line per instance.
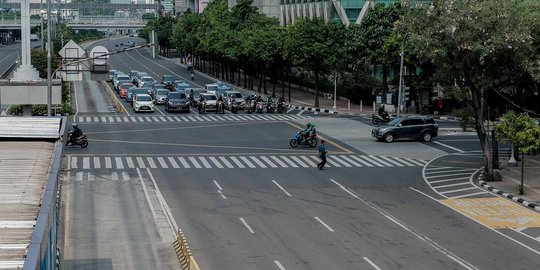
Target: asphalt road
column 246, row 200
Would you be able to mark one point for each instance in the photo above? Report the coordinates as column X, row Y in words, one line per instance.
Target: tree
column 521, row 131
column 471, row 43
column 313, row 44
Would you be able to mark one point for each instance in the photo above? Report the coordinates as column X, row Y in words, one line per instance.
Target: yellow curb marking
column 495, row 212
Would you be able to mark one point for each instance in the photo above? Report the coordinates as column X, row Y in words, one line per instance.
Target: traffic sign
column 71, row 50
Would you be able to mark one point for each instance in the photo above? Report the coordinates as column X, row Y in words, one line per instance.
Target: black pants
column 323, row 161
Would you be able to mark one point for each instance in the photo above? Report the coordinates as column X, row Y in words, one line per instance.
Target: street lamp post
column 49, row 79
column 400, row 79
column 335, row 89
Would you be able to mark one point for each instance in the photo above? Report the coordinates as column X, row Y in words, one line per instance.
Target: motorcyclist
column 308, row 131
column 200, row 103
column 76, row 133
column 192, row 75
column 220, row 105
column 382, row 112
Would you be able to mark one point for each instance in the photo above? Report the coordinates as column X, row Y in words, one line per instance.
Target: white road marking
column 448, row 175
column 262, row 165
column 114, row 176
column 173, row 162
column 108, row 163
column 195, row 162
column 125, row 176
column 237, row 162
column 279, row 162
column 78, row 176
column 338, row 159
column 448, row 180
column 91, row 176
column 205, row 163
column 392, row 161
column 324, row 224
column 217, row 185
column 141, row 162
column 222, row 196
column 448, row 146
column 97, row 164
column 119, row 164
column 414, row 161
column 151, row 162
column 279, row 265
column 226, row 162
column 247, row 225
column 299, row 161
column 86, row 163
column 164, row 205
column 129, row 162
column 269, row 162
column 489, row 228
column 309, row 161
column 184, row 162
column 74, row 163
column 348, row 159
column 162, row 163
column 216, row 162
column 451, row 185
column 457, row 190
column 371, row 263
column 362, row 161
column 468, row 195
column 404, row 226
column 377, row 159
column 282, row 189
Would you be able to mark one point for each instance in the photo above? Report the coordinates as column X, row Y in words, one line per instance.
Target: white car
column 145, row 80
column 143, row 103
column 120, row 77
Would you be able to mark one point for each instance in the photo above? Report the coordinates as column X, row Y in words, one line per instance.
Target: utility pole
column 49, row 79
column 400, row 78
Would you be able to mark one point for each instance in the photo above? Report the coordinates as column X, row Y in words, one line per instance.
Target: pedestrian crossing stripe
column 238, row 162
column 197, row 118
column 93, row 177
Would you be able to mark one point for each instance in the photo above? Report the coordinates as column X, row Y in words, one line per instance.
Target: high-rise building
column 345, row 11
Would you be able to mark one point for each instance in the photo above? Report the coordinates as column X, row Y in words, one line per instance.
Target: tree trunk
column 274, row 86
column 245, row 79
column 260, row 85
column 476, row 101
column 264, row 79
column 385, row 83
column 316, row 89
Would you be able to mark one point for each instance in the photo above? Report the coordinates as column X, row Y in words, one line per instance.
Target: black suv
column 412, row 127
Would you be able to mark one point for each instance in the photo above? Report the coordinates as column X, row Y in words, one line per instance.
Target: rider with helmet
column 310, row 129
column 77, row 132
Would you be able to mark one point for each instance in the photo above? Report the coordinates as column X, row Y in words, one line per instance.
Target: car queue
column 144, row 94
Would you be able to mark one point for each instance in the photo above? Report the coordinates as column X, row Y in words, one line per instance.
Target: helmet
column 308, row 124
column 75, row 125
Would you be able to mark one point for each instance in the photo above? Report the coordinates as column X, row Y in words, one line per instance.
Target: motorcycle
column 202, row 107
column 192, row 76
column 297, row 140
column 249, row 109
column 220, row 108
column 376, row 118
column 270, row 107
column 234, row 107
column 281, row 107
column 82, row 141
column 260, row 107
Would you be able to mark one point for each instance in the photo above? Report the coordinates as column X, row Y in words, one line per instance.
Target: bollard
column 348, row 104
column 361, row 104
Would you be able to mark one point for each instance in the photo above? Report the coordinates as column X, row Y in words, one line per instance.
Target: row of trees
column 476, row 51
column 239, row 41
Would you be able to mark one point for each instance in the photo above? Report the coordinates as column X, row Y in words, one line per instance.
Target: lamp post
column 49, row 79
column 335, row 89
column 41, row 23
column 400, row 78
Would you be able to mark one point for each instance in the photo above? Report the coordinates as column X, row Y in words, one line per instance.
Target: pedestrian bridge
column 86, row 22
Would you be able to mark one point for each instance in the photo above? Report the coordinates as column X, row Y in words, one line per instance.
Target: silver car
column 240, row 102
column 160, row 96
column 211, row 101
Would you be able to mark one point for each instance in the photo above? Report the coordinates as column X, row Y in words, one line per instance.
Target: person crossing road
column 322, row 155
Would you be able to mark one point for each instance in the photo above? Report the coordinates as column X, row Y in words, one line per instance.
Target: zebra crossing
column 452, row 182
column 115, row 176
column 237, row 162
column 188, row 118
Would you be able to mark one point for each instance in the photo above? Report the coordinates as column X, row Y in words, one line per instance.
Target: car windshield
column 210, row 97
column 162, row 92
column 168, row 79
column 144, row 98
column 196, row 92
column 147, row 79
column 236, row 95
column 122, row 77
column 127, row 85
column 394, row 122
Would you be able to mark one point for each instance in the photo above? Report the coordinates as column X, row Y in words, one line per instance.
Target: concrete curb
column 532, row 206
column 312, row 109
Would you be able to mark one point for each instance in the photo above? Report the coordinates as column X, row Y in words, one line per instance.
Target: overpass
column 84, row 22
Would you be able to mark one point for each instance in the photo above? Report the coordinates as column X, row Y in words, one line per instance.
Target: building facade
column 344, row 11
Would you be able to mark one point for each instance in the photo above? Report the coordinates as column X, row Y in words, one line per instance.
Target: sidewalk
column 511, row 179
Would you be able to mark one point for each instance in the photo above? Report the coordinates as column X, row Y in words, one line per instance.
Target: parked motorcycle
column 376, row 119
column 297, row 140
column 270, row 107
column 82, row 141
